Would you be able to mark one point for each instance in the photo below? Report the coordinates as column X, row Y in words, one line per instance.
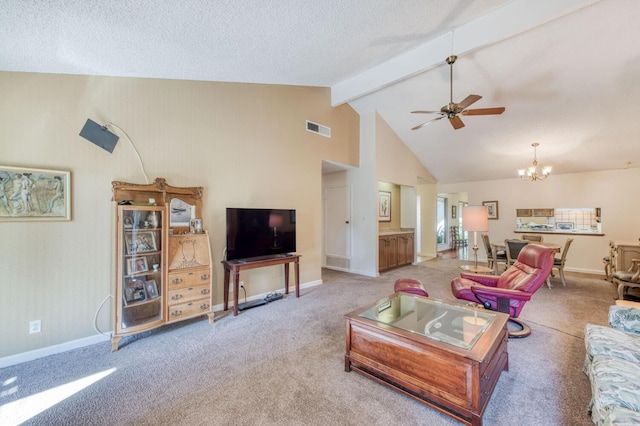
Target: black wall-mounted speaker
column 99, row 135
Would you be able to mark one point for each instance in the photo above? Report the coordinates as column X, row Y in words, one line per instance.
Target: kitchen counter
column 560, row 232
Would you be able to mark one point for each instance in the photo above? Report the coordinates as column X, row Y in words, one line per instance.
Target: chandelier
column 532, row 172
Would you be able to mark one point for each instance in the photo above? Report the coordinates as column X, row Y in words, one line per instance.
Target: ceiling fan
column 453, row 110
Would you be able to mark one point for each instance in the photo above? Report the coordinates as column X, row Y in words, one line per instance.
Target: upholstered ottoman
column 410, row 285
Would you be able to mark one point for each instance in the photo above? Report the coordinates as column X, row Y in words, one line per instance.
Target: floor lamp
column 476, row 219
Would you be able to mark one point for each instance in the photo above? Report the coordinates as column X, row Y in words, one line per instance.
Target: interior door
column 337, row 222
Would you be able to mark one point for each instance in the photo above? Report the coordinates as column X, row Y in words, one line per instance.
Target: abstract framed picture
column 492, row 209
column 28, row 194
column 384, row 206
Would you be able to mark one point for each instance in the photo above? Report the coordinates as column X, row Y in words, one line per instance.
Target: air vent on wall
column 319, row 129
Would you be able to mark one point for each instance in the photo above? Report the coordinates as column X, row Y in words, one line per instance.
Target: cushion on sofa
column 624, row 318
column 600, row 340
column 620, row 416
column 614, row 382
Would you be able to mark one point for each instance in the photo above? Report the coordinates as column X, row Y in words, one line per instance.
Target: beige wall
column 611, row 190
column 245, row 144
column 395, row 163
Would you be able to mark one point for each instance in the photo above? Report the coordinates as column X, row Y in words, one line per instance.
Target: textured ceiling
column 568, row 75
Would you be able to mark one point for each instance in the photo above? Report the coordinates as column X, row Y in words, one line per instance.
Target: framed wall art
column 492, row 209
column 384, row 206
column 34, row 194
column 181, row 213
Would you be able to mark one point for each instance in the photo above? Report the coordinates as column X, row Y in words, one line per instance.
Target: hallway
column 461, row 253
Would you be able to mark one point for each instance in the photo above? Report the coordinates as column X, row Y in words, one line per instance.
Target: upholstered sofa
column 612, row 364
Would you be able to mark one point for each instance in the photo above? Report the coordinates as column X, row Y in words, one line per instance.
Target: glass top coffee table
column 455, row 325
column 447, row 356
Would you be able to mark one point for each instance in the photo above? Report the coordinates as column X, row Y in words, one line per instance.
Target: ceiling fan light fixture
column 532, row 171
column 453, row 110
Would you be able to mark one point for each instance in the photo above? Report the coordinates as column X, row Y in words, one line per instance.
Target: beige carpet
column 283, row 364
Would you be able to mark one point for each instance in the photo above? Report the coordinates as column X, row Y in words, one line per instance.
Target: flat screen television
column 260, row 232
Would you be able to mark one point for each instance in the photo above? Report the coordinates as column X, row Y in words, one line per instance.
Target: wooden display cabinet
column 162, row 272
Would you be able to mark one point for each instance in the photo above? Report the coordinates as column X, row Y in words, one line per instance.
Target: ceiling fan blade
column 469, row 100
column 456, row 122
column 424, row 124
column 483, row 111
column 426, row 112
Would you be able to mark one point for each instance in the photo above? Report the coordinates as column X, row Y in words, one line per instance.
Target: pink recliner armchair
column 510, row 291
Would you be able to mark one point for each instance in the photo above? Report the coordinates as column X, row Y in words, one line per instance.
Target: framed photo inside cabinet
column 140, row 242
column 384, row 206
column 151, row 289
column 136, row 265
column 34, row 194
column 492, row 209
column 134, row 291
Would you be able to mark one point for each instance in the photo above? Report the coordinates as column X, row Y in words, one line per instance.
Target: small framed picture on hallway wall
column 492, row 209
column 384, row 206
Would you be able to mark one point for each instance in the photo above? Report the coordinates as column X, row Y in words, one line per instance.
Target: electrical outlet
column 35, row 326
column 241, row 284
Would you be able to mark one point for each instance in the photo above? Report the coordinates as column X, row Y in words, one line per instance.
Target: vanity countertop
column 384, row 232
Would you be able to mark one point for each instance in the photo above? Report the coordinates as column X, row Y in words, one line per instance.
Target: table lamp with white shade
column 476, row 219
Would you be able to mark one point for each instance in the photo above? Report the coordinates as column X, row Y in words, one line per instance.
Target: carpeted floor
column 283, row 364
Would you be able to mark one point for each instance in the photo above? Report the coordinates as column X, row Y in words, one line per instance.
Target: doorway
column 441, row 223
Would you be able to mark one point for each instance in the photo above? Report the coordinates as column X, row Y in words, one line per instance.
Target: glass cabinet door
column 140, row 279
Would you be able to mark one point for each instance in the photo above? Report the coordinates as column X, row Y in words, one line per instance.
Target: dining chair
column 500, row 255
column 513, row 248
column 558, row 262
column 533, row 238
column 607, row 262
column 627, row 279
column 456, row 240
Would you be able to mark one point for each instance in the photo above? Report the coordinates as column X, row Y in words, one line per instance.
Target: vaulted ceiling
column 567, row 72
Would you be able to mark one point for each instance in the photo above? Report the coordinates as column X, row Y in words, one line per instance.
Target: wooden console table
column 238, row 265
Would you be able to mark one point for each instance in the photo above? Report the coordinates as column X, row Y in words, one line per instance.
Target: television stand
column 236, row 266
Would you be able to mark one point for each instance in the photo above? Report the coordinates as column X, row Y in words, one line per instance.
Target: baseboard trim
column 52, row 350
column 20, row 358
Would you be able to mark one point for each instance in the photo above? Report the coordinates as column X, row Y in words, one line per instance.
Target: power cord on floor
column 95, row 317
column 553, row 328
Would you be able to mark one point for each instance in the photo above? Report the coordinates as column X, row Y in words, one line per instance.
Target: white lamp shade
column 475, row 218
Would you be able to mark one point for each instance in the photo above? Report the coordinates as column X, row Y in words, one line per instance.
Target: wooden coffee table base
column 434, row 373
